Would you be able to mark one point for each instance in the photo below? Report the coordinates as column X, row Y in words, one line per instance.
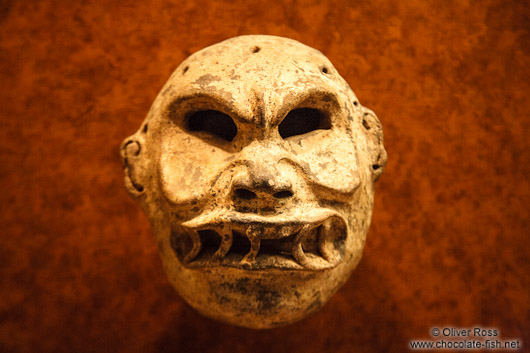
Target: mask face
column 255, row 166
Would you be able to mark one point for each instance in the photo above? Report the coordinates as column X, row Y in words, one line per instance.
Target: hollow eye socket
column 213, row 122
column 303, row 120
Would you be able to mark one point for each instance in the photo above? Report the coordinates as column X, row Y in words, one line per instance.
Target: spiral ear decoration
column 131, row 153
column 376, row 149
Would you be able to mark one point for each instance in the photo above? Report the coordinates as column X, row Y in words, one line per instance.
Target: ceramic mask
column 256, row 167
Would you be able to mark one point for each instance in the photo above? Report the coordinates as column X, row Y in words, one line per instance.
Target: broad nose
column 263, row 177
column 263, row 180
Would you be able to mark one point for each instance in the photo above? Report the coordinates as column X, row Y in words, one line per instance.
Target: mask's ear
column 376, row 150
column 132, row 154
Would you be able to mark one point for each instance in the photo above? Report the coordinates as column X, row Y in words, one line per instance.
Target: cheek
column 187, row 168
column 331, row 163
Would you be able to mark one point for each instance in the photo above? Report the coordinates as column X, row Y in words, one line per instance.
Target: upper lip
column 287, row 239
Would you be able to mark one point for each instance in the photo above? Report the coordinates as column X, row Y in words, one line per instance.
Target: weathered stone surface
column 256, row 166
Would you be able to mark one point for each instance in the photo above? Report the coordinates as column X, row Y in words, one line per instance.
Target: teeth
column 311, row 245
column 298, row 251
column 226, row 243
column 324, row 243
column 328, row 236
column 194, row 236
column 254, row 247
column 323, row 235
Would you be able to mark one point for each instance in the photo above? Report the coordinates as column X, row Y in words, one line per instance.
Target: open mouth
column 314, row 240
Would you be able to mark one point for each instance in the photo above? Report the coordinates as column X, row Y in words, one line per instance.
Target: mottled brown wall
column 449, row 244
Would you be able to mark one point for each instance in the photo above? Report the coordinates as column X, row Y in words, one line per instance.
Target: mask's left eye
column 213, row 122
column 303, row 120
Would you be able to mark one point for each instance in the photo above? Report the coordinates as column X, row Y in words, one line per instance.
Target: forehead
column 264, row 60
column 253, row 74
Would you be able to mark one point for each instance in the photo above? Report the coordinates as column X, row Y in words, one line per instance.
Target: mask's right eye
column 213, row 122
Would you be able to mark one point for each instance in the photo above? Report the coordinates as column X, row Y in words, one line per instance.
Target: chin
column 272, row 288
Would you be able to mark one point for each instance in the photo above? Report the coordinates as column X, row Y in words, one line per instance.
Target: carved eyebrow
column 197, row 101
column 316, row 98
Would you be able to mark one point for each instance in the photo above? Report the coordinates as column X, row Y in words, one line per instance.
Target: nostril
column 283, row 194
column 244, row 194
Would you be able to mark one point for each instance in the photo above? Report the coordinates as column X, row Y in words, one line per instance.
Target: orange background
column 449, row 243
